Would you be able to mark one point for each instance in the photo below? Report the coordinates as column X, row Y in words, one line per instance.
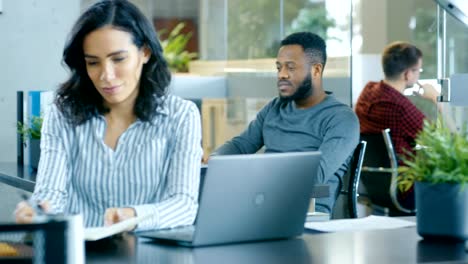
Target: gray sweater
column 330, row 127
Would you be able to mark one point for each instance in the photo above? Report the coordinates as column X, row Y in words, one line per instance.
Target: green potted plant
column 174, row 48
column 32, row 134
column 439, row 170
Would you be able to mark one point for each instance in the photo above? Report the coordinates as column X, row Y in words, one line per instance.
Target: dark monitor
column 457, row 8
column 55, row 239
column 33, row 243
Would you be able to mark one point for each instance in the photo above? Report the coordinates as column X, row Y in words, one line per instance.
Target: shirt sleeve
column 52, row 175
column 179, row 204
column 249, row 141
column 341, row 136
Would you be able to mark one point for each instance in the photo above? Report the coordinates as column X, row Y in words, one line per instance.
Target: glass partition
column 423, row 25
column 454, row 62
column 253, row 29
column 456, row 47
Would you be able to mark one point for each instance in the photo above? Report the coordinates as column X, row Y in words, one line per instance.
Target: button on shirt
column 155, row 167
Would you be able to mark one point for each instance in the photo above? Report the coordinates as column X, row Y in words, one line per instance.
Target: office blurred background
column 231, row 49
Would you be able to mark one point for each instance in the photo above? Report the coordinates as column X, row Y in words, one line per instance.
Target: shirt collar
column 391, row 89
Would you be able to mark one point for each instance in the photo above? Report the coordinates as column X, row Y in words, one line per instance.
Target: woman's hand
column 115, row 215
column 25, row 213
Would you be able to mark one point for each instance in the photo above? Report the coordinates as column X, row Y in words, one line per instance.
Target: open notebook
column 96, row 233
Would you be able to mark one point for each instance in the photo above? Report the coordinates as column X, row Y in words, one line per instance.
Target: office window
column 423, row 29
column 456, row 43
column 456, row 62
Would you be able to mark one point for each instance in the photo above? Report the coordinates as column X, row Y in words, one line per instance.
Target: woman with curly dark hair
column 115, row 145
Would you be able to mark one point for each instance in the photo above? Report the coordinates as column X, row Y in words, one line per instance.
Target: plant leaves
column 174, row 48
column 442, row 157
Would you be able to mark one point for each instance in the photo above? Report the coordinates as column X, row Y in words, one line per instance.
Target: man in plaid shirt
column 382, row 104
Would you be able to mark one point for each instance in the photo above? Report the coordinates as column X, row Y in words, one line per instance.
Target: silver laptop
column 250, row 197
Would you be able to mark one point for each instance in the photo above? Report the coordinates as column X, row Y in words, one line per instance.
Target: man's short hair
column 398, row 57
column 313, row 45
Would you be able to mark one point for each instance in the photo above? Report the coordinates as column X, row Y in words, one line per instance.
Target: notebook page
column 371, row 222
column 96, row 233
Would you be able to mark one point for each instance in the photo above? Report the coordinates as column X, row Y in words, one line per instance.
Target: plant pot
column 442, row 211
column 34, row 153
column 440, row 251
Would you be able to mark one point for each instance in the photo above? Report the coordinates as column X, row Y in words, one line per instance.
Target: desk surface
column 380, row 246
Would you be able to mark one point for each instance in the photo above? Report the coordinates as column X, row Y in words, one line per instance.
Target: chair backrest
column 380, row 172
column 346, row 202
column 354, row 178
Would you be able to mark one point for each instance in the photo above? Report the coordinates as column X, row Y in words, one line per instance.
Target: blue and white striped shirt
column 155, row 167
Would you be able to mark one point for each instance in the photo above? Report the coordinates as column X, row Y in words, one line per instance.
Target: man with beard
column 303, row 117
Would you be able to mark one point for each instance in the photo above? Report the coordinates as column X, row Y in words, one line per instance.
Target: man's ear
column 316, row 70
column 405, row 75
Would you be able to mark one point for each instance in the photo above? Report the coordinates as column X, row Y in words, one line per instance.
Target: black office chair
column 197, row 101
column 350, row 182
column 379, row 175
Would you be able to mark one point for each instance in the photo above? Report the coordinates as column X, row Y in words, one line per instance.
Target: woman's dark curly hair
column 77, row 98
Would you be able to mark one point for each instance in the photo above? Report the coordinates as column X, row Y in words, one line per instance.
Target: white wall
column 366, row 67
column 32, row 36
column 370, row 36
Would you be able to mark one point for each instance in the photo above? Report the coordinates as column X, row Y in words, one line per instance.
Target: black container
column 442, row 211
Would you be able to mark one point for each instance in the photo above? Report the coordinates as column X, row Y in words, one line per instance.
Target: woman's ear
column 146, row 54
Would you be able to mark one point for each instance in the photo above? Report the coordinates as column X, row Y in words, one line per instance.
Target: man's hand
column 428, row 92
column 115, row 215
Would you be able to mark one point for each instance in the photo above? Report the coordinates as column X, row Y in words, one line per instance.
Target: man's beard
column 304, row 90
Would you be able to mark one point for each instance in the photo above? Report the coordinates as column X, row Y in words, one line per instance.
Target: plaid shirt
column 380, row 106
